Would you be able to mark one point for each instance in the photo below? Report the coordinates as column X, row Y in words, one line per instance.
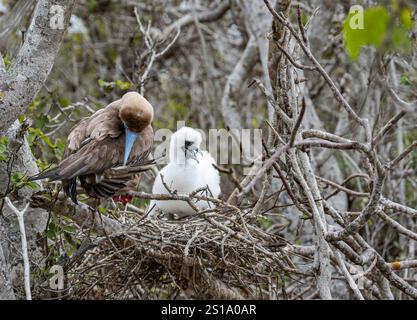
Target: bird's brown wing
column 85, row 146
column 102, row 124
column 92, row 158
column 95, row 145
column 112, row 180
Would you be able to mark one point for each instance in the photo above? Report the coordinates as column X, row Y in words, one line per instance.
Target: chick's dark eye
column 188, row 143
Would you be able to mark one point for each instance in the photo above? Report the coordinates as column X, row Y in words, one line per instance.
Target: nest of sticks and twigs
column 221, row 253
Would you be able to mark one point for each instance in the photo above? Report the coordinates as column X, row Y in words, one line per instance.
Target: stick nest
column 212, row 256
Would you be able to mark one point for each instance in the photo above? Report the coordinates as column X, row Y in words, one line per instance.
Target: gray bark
column 32, row 65
column 19, row 85
column 6, row 290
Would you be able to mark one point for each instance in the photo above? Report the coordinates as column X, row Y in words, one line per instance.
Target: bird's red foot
column 124, row 198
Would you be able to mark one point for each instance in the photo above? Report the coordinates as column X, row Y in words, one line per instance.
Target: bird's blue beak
column 129, row 141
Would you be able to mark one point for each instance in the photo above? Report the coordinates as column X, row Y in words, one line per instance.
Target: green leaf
column 400, row 39
column 7, row 60
column 32, row 185
column 405, row 81
column 38, row 132
column 19, row 180
column 375, row 23
column 51, row 230
column 41, row 121
column 380, row 27
column 123, row 85
column 91, row 5
column 106, row 84
column 406, row 18
column 112, row 84
column 64, row 102
column 102, row 210
column 4, row 141
column 37, row 104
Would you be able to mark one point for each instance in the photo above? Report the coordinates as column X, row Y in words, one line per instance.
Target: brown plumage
column 96, row 148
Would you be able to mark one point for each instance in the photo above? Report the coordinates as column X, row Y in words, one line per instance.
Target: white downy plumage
column 188, row 169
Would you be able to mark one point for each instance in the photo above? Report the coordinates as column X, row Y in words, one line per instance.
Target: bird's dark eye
column 188, row 143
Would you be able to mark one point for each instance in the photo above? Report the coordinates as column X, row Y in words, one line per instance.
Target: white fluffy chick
column 188, row 169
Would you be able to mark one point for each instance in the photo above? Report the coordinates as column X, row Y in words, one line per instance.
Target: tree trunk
column 19, row 86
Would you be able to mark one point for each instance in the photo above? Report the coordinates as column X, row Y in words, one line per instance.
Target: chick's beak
column 191, row 152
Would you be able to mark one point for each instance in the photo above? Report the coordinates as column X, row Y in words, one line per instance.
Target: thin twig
column 20, row 218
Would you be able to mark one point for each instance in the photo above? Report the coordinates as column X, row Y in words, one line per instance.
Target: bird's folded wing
column 143, row 163
column 99, row 155
column 117, row 180
column 102, row 124
column 92, row 158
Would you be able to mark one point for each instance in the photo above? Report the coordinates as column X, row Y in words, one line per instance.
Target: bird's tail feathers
column 70, row 189
column 52, row 175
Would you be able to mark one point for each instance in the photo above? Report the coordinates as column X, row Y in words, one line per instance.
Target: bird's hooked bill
column 191, row 152
column 129, row 141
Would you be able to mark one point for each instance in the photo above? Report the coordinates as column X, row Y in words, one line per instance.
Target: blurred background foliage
column 104, row 55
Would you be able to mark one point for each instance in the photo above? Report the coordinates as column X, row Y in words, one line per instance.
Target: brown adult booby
column 119, row 135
